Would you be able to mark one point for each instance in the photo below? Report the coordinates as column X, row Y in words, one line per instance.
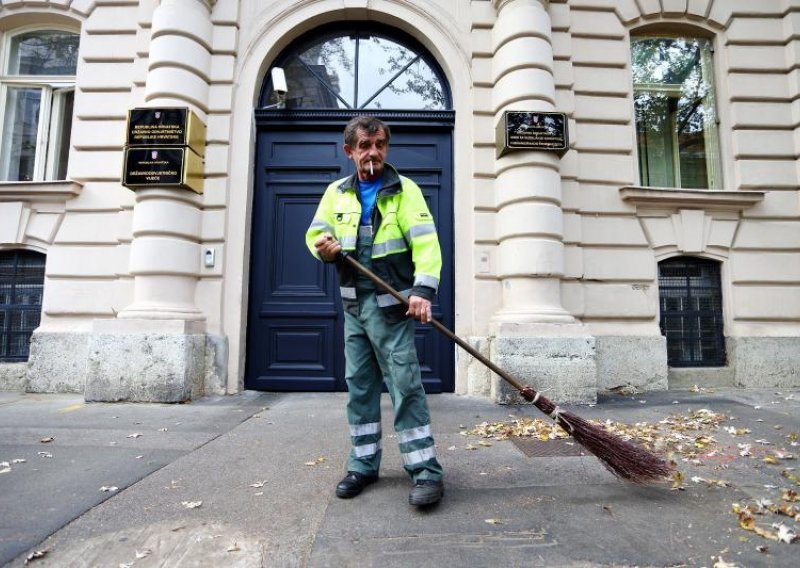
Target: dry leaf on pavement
column 191, row 504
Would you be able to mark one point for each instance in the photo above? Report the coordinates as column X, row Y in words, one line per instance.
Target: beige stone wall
column 613, row 244
column 612, row 239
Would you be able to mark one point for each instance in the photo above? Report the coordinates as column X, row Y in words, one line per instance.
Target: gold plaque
column 166, row 126
column 163, row 167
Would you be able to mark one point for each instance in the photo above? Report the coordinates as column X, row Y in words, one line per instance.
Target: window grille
column 21, row 289
column 691, row 312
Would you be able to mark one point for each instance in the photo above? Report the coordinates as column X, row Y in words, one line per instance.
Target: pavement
column 247, row 480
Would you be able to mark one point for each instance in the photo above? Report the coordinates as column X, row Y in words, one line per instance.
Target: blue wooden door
column 295, row 323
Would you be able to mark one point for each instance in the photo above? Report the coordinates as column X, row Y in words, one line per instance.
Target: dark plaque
column 165, row 127
column 146, row 167
column 529, row 130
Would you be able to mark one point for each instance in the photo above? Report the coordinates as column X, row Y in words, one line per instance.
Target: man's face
column 368, row 150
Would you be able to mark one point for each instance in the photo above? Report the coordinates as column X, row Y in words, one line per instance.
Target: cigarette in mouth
column 371, row 172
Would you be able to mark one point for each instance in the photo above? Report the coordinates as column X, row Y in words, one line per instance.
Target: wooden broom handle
column 526, row 391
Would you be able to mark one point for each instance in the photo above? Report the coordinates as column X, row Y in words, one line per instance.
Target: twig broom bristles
column 624, row 459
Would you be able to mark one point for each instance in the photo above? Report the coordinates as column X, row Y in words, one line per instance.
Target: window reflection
column 360, row 70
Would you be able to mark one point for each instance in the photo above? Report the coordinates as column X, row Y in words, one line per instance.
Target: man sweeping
column 381, row 218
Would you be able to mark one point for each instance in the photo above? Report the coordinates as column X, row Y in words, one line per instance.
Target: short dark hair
column 369, row 124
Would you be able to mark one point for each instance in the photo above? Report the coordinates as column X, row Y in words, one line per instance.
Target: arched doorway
column 294, row 330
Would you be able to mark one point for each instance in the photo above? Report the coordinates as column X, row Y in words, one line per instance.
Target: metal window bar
column 690, row 299
column 21, row 289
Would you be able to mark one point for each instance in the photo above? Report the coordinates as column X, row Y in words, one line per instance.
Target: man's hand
column 327, row 247
column 419, row 308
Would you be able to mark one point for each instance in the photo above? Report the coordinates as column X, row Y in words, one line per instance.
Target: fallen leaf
column 258, row 484
column 771, row 460
column 762, row 549
column 677, row 480
column 317, row 461
column 484, row 444
column 109, row 489
column 258, row 493
column 36, row 554
column 191, row 504
column 493, row 521
column 134, row 435
column 790, row 495
column 47, row 440
column 785, row 534
column 19, row 460
column 720, row 563
column 45, row 454
column 163, row 429
column 143, row 554
column 451, row 448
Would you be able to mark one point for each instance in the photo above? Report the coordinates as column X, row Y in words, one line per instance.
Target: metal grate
column 21, row 288
column 690, row 298
column 558, row 448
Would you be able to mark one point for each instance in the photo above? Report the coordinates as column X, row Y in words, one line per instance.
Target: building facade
column 661, row 249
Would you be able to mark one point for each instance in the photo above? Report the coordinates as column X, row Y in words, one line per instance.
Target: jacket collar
column 391, row 182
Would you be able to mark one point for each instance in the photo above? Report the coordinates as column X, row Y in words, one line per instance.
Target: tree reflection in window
column 361, row 70
column 676, row 121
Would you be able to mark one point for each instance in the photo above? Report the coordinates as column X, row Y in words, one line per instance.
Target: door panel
column 295, row 332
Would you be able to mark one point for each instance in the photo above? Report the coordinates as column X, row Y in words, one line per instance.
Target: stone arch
column 716, row 14
column 282, row 25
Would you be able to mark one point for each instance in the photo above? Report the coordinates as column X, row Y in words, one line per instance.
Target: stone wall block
column 765, row 362
column 115, row 19
column 562, row 368
column 225, row 12
column 604, row 137
column 105, row 76
column 99, row 135
column 225, row 39
column 152, row 215
column 608, row 300
column 13, row 377
column 612, row 264
column 145, row 367
column 592, row 23
column 57, row 362
column 766, row 174
column 529, row 256
column 184, row 18
column 631, row 361
column 179, row 84
column 112, row 105
column 95, row 165
column 698, row 8
column 674, row 7
column 520, row 20
column 173, row 50
column 599, row 52
column 521, row 183
column 108, row 47
column 751, row 30
column 161, row 255
column 753, row 267
column 767, row 302
column 532, row 84
column 602, row 81
column 520, row 53
column 650, row 7
column 523, row 217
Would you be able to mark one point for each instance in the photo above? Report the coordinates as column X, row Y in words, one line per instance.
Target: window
column 360, row 69
column 676, row 120
column 37, row 91
column 21, row 288
column 691, row 312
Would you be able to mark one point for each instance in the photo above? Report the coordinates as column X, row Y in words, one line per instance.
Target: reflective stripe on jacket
column 405, row 250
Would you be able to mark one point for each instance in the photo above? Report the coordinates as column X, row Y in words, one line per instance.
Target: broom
column 624, row 459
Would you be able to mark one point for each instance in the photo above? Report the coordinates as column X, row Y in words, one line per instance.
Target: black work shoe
column 353, row 484
column 426, row 492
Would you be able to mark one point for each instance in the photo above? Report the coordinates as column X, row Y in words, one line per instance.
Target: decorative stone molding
column 39, row 191
column 681, row 221
column 33, row 211
column 664, row 197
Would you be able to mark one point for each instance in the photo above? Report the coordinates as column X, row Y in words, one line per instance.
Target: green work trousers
column 378, row 351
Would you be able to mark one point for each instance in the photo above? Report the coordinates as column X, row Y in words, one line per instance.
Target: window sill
column 661, row 197
column 39, row 190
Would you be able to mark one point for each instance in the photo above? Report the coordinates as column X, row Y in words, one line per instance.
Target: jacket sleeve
column 419, row 230
column 322, row 222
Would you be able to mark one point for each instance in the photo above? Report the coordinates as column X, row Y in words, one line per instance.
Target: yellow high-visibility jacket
column 405, row 250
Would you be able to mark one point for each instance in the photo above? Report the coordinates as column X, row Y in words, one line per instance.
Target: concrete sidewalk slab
column 93, row 445
column 548, row 511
